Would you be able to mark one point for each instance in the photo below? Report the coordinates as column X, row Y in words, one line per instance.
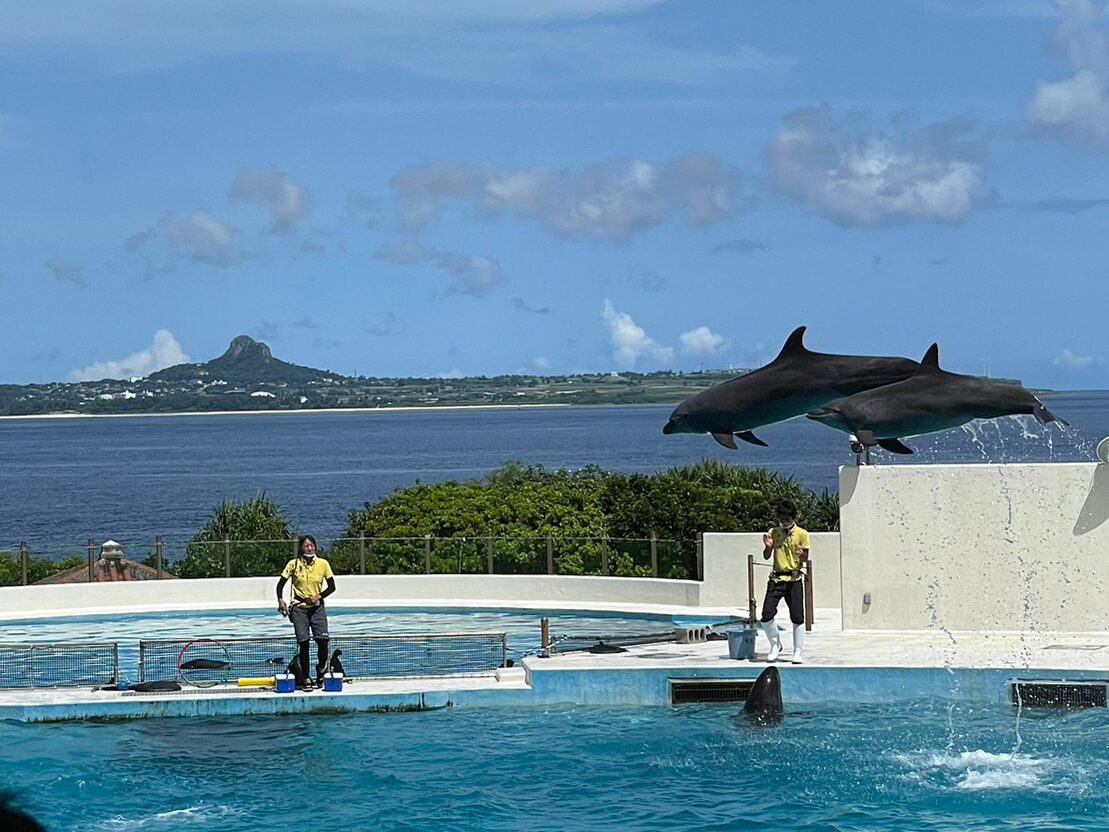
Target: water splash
column 980, row 770
column 1003, row 440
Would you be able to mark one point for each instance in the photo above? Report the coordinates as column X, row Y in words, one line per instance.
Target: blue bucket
column 741, row 644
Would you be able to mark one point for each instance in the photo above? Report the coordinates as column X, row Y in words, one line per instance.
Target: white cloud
column 67, row 272
column 1069, row 361
column 1077, row 108
column 202, row 238
column 858, row 177
column 164, row 352
column 287, row 202
column 471, row 274
column 631, row 345
column 521, row 305
column 702, row 341
column 474, row 274
column 609, row 201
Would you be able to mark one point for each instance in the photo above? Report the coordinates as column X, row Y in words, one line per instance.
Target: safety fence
column 550, row 554
column 58, row 665
column 210, row 661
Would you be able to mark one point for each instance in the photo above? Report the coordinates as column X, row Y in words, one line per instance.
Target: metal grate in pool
column 689, row 691
column 1057, row 694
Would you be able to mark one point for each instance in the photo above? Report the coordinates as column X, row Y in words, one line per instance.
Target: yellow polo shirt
column 308, row 580
column 786, row 554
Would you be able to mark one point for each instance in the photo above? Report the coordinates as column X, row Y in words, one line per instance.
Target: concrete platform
column 839, row 667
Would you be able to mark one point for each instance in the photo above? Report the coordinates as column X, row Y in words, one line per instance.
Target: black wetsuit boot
column 321, row 660
column 304, row 663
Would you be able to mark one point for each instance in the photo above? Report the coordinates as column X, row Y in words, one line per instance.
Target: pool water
column 521, row 627
column 913, row 766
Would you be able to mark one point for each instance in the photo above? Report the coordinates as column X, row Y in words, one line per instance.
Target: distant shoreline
column 288, row 411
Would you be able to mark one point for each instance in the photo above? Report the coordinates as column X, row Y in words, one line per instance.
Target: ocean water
column 910, row 766
column 63, row 481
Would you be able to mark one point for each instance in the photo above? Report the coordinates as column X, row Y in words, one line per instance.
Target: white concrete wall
column 725, row 558
column 976, row 547
column 553, row 592
column 724, row 588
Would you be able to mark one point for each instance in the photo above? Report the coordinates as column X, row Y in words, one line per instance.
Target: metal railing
column 58, row 665
column 362, row 656
column 549, row 554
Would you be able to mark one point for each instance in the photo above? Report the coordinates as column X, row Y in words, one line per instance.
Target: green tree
column 515, row 508
column 260, row 535
column 11, row 573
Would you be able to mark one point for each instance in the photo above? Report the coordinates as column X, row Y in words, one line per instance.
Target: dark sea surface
column 131, row 478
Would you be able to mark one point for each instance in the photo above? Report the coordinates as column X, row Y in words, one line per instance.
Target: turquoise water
column 905, row 767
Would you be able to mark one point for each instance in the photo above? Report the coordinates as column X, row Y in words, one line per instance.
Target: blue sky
column 496, row 186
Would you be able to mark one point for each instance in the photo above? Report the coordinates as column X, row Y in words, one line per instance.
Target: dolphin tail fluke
column 747, row 436
column 725, row 439
column 894, row 446
column 1043, row 415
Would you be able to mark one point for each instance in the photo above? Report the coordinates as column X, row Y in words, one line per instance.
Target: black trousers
column 793, row 592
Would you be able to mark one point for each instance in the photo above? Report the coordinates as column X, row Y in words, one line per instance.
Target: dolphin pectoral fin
column 866, row 437
column 747, row 436
column 894, row 446
column 725, row 439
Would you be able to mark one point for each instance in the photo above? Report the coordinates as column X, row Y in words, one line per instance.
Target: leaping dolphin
column 764, row 701
column 930, row 401
column 795, row 382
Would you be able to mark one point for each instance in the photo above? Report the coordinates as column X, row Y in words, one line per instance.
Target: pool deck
column 839, row 666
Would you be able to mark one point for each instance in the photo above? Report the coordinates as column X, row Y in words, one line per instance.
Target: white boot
column 771, row 630
column 798, row 643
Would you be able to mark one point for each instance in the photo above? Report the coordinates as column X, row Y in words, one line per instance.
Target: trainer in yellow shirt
column 313, row 581
column 788, row 544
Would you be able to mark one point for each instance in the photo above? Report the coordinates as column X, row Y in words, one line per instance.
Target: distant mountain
column 248, row 378
column 246, row 362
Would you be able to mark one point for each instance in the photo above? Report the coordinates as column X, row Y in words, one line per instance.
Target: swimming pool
column 916, row 766
column 521, row 626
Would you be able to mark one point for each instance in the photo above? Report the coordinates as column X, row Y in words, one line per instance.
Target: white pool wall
column 1014, row 547
column 723, row 589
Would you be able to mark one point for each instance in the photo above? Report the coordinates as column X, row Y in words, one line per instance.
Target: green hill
column 246, row 362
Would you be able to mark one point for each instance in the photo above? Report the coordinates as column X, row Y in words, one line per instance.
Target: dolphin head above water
column 764, row 701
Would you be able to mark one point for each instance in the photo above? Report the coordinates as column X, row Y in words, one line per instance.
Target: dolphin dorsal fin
column 794, row 344
column 931, row 361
